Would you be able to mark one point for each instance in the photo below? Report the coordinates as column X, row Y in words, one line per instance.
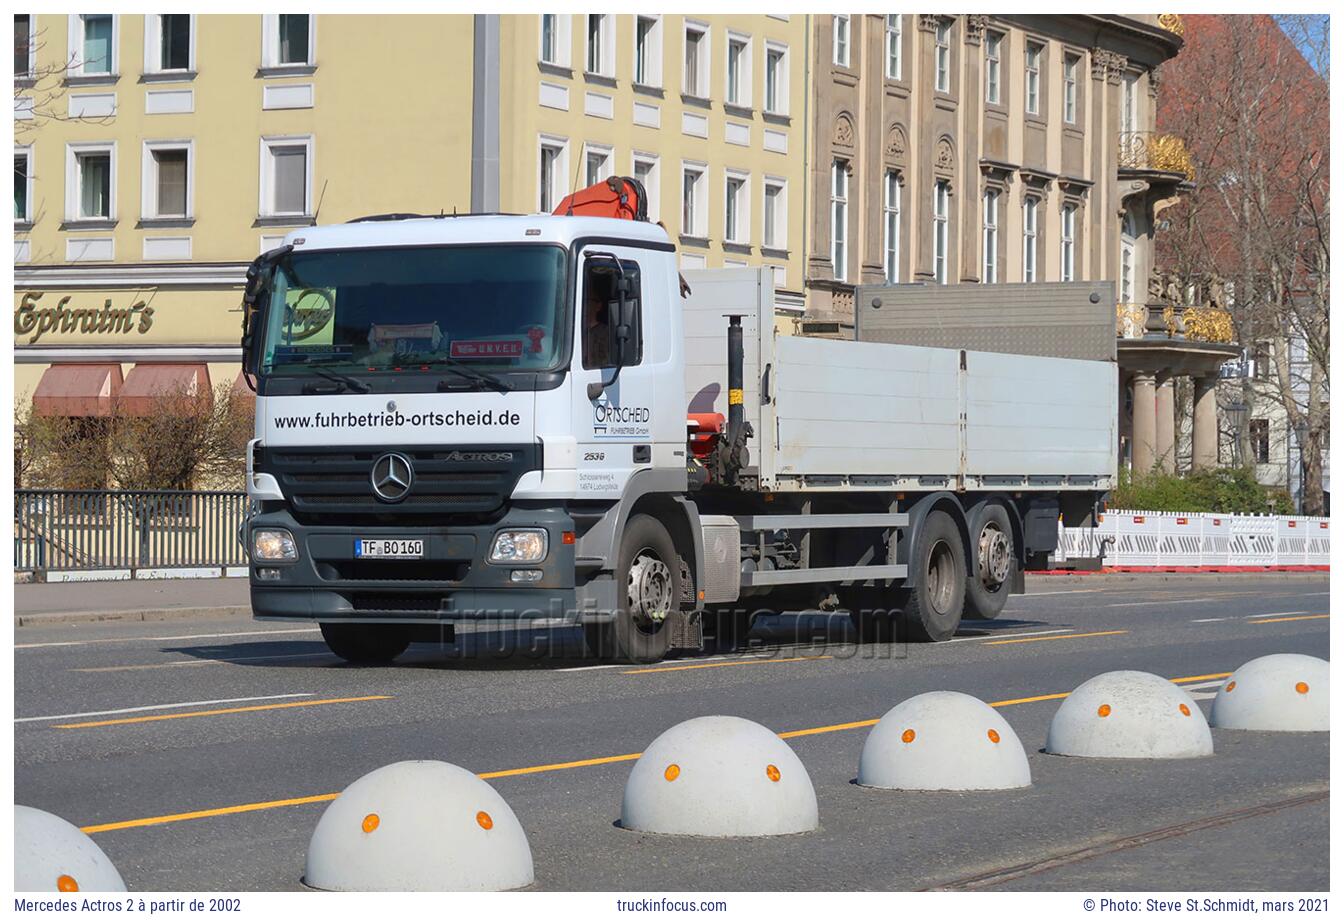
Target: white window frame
column 267, row 174
column 740, row 229
column 563, row 42
column 840, row 39
column 942, row 56
column 1128, row 257
column 270, row 43
column 696, row 84
column 1129, row 108
column 560, row 165
column 1068, row 249
column 891, row 226
column 149, row 184
column 840, row 219
column 154, row 49
column 942, row 196
column 1031, row 227
column 989, row 238
column 608, row 167
column 994, row 68
column 745, row 72
column 606, row 49
column 1071, row 62
column 74, row 179
column 1032, row 78
column 32, row 46
column 26, row 151
column 699, row 202
column 75, row 49
column 781, row 101
column 895, row 57
column 775, row 233
column 652, row 53
column 651, row 182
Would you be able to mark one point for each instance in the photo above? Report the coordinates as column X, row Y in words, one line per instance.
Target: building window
column 93, row 43
column 1260, row 439
column 993, row 51
column 1070, row 89
column 942, row 191
column 23, row 185
column 942, row 56
column 551, row 180
column 1033, row 94
column 550, row 38
column 292, row 45
column 989, row 265
column 774, row 233
column 839, row 218
column 736, row 226
column 1030, row 209
column 91, row 184
column 596, row 164
column 891, row 227
column 893, row 47
column 286, row 177
column 1129, row 110
column 696, row 73
column 599, row 54
column 1068, row 226
column 166, row 180
column 168, row 42
column 694, row 200
column 776, row 79
column 649, row 51
column 1128, row 234
column 739, row 70
column 646, row 173
column 23, row 44
column 840, row 40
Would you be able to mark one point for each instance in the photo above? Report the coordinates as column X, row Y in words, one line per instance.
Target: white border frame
column 784, row 89
column 561, row 178
column 26, row 150
column 153, row 40
column 266, row 174
column 704, row 72
column 606, row 51
column 75, row 46
column 655, row 51
column 270, row 42
column 73, row 190
column 748, row 73
column 781, row 224
column 149, row 186
column 742, row 205
column 564, row 43
column 700, row 202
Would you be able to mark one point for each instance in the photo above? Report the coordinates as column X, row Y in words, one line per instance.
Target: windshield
column 488, row 308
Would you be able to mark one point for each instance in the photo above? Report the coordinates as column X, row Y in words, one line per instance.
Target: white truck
column 532, row 419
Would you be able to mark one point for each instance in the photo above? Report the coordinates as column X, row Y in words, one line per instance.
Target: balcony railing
column 1158, row 320
column 1172, row 23
column 1149, row 150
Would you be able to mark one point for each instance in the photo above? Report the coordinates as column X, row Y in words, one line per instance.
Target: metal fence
column 1165, row 539
column 89, row 530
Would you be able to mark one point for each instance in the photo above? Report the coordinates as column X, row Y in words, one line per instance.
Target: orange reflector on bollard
column 66, row 884
column 772, row 771
column 1302, row 687
column 993, row 736
column 1185, row 710
column 484, row 820
column 672, row 772
column 908, row 735
column 1104, row 710
column 370, row 824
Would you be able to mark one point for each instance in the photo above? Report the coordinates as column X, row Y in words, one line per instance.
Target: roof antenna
column 320, row 198
column 569, row 211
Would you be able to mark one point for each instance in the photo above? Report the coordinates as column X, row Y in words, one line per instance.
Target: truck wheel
column 648, row 580
column 995, row 562
column 938, row 564
column 365, row 643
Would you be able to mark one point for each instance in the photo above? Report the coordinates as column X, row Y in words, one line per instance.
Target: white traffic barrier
column 1276, row 693
column 1129, row 714
column 51, row 854
column 719, row 776
column 1165, row 539
column 943, row 740
column 418, row 825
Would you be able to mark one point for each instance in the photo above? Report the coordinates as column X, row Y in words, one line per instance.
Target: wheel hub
column 995, row 556
column 649, row 591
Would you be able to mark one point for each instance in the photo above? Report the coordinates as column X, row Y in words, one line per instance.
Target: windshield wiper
column 469, row 373
column 346, row 381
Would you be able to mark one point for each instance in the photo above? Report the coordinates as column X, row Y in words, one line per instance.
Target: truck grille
column 332, row 483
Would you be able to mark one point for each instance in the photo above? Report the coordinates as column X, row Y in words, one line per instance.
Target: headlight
column 519, row 546
column 274, row 546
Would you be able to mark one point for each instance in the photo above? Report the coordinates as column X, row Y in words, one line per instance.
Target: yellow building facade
column 156, row 155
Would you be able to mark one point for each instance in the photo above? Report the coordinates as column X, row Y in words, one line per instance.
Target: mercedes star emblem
column 391, row 477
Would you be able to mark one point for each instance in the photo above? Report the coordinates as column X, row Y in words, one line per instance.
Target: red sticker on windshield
column 487, row 348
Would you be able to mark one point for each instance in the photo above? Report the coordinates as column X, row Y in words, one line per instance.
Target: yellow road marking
column 220, row 712
column 1112, row 632
column 1311, row 616
column 523, row 771
column 727, row 664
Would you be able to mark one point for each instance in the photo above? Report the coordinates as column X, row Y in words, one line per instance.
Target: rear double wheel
column 995, row 562
column 648, row 591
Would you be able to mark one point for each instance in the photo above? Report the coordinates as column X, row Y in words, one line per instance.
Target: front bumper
column 453, row 581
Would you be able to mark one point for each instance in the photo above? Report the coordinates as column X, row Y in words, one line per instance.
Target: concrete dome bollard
column 418, row 825
column 943, row 740
column 51, row 854
column 719, row 776
column 1276, row 693
column 1129, row 714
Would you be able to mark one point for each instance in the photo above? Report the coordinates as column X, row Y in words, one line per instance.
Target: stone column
column 1204, row 456
column 1165, row 443
column 972, row 84
column 1144, row 453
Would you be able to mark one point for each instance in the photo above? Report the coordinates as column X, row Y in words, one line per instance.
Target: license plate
column 389, row 549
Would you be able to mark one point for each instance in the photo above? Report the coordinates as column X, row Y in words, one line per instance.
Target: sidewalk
column 91, row 601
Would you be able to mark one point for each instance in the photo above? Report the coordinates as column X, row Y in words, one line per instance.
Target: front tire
column 648, row 590
column 938, row 560
column 365, row 643
column 995, row 563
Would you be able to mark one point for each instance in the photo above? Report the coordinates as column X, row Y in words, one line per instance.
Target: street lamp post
column 1235, row 413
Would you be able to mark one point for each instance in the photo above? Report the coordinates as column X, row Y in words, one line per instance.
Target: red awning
column 148, row 386
column 77, row 390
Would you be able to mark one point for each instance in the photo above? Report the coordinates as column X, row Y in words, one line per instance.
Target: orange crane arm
column 620, row 196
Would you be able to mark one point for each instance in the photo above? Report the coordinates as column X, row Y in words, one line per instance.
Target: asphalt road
column 206, row 799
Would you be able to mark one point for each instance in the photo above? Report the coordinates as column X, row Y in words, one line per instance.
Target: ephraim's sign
column 35, row 321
